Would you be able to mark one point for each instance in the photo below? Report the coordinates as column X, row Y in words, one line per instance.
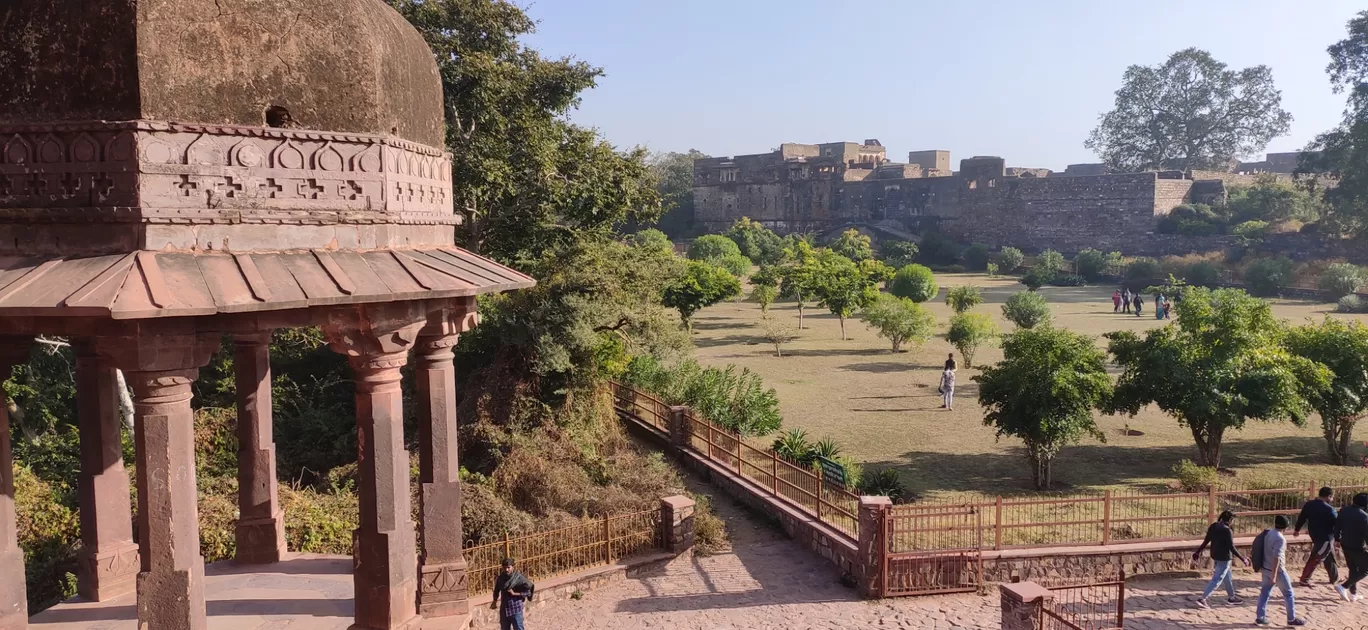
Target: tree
column 756, row 241
column 1273, row 200
column 899, row 254
column 1010, row 258
column 1027, row 309
column 899, row 320
column 914, row 282
column 1341, row 154
column 1222, row 364
column 1091, row 264
column 764, row 294
column 1036, row 277
column 1044, row 392
column 853, row 245
column 799, row 274
column 712, row 246
column 845, row 287
column 527, row 180
column 1267, row 276
column 1341, row 279
column 776, row 333
column 963, row 298
column 653, row 239
column 737, row 264
column 1052, row 262
column 976, row 257
column 673, row 175
column 1140, row 273
column 702, row 285
column 970, row 331
column 1191, row 112
column 1342, row 347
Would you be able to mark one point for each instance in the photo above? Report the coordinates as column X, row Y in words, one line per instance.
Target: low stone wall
column 1081, row 564
column 563, row 588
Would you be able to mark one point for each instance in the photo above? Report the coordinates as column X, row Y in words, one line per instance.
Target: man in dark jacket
column 1223, row 551
column 512, row 590
column 1352, row 528
column 1318, row 517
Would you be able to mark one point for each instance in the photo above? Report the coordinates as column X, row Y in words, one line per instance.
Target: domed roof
column 349, row 66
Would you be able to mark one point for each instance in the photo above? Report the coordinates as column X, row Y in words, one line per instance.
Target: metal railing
column 1095, row 606
column 566, row 550
column 794, row 483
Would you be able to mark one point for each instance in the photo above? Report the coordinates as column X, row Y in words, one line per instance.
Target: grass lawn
column 884, row 409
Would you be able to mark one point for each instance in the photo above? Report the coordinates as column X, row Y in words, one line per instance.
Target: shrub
column 764, row 295
column 914, row 282
column 710, row 532
column 712, row 246
column 938, row 249
column 1351, row 304
column 776, row 332
column 735, row 400
column 853, row 245
column 1068, row 280
column 976, row 257
column 737, row 264
column 963, row 298
column 1267, row 275
column 1141, row 272
column 1010, row 258
column 794, row 445
column 756, row 242
column 1036, row 277
column 1192, row 219
column 899, row 254
column 47, row 532
column 1249, row 233
column 969, row 332
column 1026, row 309
column 1090, row 263
column 1194, row 478
column 1203, row 274
column 1052, row 261
column 883, row 482
column 1341, row 279
column 651, row 238
column 899, row 320
column 992, row 270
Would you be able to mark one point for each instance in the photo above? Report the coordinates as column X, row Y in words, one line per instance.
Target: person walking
column 1139, row 303
column 1318, row 516
column 1223, row 551
column 1116, row 301
column 950, row 362
column 1126, row 301
column 1159, row 303
column 947, row 388
column 512, row 591
column 1352, row 528
column 1272, row 564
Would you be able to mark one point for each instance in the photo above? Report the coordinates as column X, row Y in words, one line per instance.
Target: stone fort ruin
column 818, row 187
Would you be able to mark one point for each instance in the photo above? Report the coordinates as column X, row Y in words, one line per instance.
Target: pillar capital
column 165, row 359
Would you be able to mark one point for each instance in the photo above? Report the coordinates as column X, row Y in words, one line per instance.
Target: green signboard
column 832, row 471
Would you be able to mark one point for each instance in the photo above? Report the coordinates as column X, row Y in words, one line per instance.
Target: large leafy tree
column 1343, row 348
column 703, row 284
column 853, row 245
column 1342, row 153
column 1044, row 392
column 899, row 320
column 673, row 174
column 756, row 242
column 525, row 178
column 1189, row 112
column 799, row 275
column 844, row 286
column 1223, row 363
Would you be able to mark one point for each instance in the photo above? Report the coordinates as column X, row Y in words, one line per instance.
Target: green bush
column 899, row 254
column 756, row 242
column 914, row 282
column 1091, row 264
column 1203, row 274
column 1341, row 279
column 735, row 400
column 992, row 270
column 976, row 257
column 963, row 298
column 1052, row 261
column 1141, row 272
column 651, row 238
column 794, row 445
column 883, row 482
column 737, row 264
column 1010, row 258
column 1192, row 219
column 1351, row 304
column 48, row 532
column 970, row 331
column 1194, row 478
column 1266, row 276
column 1036, row 277
column 712, row 246
column 1026, row 309
column 1068, row 280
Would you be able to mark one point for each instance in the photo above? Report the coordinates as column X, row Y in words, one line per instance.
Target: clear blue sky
column 1023, row 80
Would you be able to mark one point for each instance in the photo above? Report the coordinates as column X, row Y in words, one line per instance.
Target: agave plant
column 883, row 482
column 827, row 448
column 793, row 444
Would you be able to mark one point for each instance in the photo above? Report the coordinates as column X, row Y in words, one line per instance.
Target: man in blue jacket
column 1318, row 517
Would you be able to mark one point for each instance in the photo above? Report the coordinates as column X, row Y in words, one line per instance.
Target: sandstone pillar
column 161, row 368
column 13, row 596
column 679, row 427
column 1022, row 603
column 377, row 340
column 873, row 546
column 260, row 530
column 442, row 565
column 677, row 523
column 108, row 564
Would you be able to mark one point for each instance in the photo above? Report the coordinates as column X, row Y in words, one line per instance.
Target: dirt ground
column 884, row 409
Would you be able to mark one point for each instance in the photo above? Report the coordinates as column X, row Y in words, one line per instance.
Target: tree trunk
column 843, row 335
column 778, row 351
column 1040, row 468
column 897, row 344
column 800, row 314
column 1339, row 435
column 1209, row 444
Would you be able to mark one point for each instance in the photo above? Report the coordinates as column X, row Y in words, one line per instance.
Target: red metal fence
column 907, row 567
column 567, row 550
column 1095, row 606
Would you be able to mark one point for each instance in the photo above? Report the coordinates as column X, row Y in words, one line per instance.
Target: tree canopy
column 1221, row 364
column 899, row 320
column 703, row 284
column 1191, row 111
column 1343, row 348
column 756, row 242
column 1342, row 153
column 1044, row 392
column 970, row 331
column 1027, row 309
column 853, row 245
column 844, row 286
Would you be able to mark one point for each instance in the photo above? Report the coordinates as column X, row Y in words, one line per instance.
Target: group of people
column 1124, row 301
column 1328, row 528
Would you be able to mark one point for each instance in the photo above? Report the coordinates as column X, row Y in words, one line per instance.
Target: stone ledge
column 561, row 588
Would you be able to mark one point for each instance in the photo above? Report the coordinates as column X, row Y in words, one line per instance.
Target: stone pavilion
column 177, row 171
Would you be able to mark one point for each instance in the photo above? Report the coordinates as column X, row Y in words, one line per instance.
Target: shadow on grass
column 839, row 352
column 729, row 340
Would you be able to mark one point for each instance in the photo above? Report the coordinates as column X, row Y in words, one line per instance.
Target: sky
column 1022, row 80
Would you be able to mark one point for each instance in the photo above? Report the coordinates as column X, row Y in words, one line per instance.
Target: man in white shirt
column 1274, row 570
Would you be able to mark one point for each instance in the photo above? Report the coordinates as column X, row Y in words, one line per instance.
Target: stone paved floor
column 769, row 582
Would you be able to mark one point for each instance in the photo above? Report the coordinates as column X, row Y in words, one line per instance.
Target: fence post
column 679, row 427
column 1121, row 601
column 710, row 441
column 997, row 524
column 1106, row 516
column 508, row 546
column 1211, row 504
column 738, row 456
column 607, row 540
column 819, row 498
column 873, row 545
column 774, row 473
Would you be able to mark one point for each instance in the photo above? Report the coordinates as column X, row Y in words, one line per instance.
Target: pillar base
column 261, row 540
column 13, row 597
column 172, row 599
column 442, row 590
column 385, row 579
column 108, row 574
